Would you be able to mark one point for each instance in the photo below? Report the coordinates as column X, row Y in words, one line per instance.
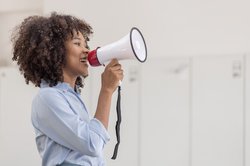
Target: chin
column 85, row 75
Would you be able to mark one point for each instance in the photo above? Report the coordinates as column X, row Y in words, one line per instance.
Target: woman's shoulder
column 47, row 91
column 49, row 94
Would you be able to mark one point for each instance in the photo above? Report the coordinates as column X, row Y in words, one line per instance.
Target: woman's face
column 76, row 56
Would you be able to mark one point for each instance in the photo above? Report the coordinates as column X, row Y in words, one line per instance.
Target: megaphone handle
column 118, row 123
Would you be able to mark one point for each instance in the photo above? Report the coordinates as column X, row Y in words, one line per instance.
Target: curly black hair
column 38, row 46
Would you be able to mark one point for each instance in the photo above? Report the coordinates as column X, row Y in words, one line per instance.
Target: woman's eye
column 79, row 44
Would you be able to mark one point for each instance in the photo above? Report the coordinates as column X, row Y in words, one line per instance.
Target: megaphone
column 131, row 46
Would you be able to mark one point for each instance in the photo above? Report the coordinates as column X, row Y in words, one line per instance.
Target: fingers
column 116, row 68
column 117, row 71
column 112, row 75
column 113, row 62
column 114, row 65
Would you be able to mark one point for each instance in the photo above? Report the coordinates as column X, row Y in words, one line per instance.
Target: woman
column 51, row 53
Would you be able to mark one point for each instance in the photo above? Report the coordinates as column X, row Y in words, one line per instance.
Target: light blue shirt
column 65, row 132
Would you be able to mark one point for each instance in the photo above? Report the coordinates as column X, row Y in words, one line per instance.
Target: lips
column 83, row 59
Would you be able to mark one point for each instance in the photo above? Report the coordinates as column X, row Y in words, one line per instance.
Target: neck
column 69, row 79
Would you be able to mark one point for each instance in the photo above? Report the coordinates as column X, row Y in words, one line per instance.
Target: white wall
column 217, row 111
column 19, row 5
column 247, row 112
column 17, row 136
column 172, row 27
column 12, row 12
column 10, row 20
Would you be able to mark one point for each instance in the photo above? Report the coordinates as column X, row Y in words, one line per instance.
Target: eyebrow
column 76, row 38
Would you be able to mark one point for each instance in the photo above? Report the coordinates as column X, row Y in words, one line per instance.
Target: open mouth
column 84, row 59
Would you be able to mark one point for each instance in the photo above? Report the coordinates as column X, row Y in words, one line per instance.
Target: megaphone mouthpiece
column 92, row 58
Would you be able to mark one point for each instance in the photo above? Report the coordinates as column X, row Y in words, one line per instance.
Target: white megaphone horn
column 131, row 46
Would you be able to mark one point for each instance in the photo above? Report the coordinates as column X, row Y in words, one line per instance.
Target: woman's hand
column 112, row 76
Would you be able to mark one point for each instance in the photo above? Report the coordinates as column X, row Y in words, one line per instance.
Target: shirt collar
column 60, row 85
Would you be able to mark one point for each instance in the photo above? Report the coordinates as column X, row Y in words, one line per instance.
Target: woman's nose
column 85, row 50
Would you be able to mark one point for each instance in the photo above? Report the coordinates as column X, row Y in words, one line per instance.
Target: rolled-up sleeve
column 97, row 126
column 55, row 118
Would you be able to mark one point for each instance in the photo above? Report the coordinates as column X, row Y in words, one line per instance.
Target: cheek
column 72, row 57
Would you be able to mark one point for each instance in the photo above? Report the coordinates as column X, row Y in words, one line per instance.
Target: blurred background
column 188, row 105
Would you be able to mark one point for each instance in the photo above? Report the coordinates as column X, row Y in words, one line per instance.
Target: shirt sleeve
column 55, row 118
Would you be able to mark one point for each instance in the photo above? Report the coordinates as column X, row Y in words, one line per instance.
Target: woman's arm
column 111, row 76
